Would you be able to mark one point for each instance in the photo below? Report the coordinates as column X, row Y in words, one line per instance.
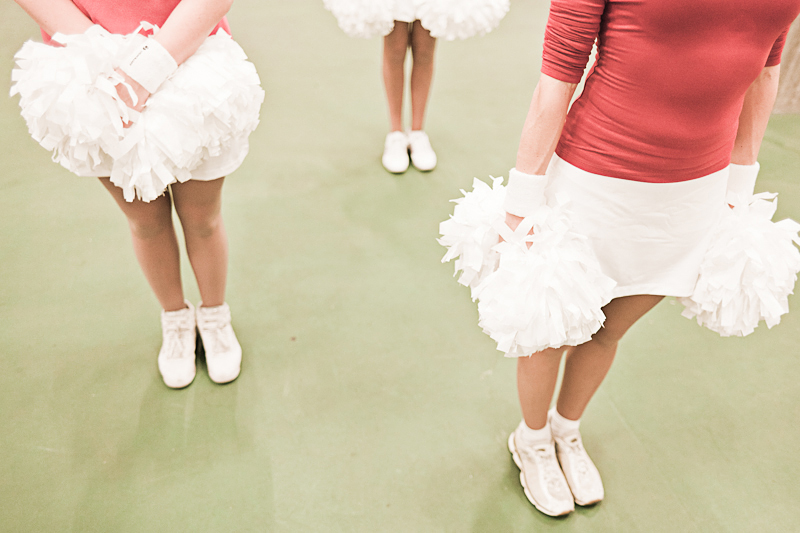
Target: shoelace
column 214, row 327
column 173, row 339
column 574, row 447
column 545, row 458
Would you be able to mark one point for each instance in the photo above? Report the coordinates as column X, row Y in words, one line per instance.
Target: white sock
column 561, row 425
column 530, row 436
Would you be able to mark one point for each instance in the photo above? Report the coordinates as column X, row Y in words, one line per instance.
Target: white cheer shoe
column 422, row 155
column 395, row 152
column 222, row 349
column 541, row 475
column 582, row 476
column 176, row 357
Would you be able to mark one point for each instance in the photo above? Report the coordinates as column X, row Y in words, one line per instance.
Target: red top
column 662, row 102
column 124, row 16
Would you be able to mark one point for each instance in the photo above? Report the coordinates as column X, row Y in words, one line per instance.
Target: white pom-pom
column 212, row 102
column 469, row 234
column 547, row 296
column 749, row 270
column 67, row 100
column 363, row 18
column 70, row 103
column 461, row 19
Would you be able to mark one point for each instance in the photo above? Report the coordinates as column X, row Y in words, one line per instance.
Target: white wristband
column 524, row 193
column 742, row 179
column 149, row 65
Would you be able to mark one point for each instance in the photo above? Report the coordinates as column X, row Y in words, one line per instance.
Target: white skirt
column 648, row 237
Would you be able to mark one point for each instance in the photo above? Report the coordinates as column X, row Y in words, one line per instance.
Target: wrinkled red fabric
column 662, row 102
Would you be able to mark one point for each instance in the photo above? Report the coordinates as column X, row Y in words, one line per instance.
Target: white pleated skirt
column 649, row 237
column 405, row 10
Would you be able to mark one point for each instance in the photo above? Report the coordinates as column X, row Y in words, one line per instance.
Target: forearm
column 753, row 119
column 543, row 125
column 189, row 24
column 56, row 16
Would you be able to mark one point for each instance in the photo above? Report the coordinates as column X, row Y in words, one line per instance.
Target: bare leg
column 586, row 367
column 395, row 46
column 423, row 47
column 155, row 244
column 588, row 364
column 199, row 207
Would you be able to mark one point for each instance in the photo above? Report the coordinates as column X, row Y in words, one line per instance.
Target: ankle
column 561, row 425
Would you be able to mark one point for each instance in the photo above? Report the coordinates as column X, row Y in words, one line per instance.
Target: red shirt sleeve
column 572, row 28
column 777, row 49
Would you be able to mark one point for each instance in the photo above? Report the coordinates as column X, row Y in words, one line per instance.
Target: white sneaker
column 395, row 152
column 541, row 476
column 222, row 349
column 176, row 357
column 422, row 155
column 582, row 476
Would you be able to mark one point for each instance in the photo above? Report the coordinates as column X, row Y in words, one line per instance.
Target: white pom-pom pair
column 69, row 100
column 538, row 291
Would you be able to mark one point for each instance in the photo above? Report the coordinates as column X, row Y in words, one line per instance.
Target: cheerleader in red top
column 194, row 190
column 670, row 121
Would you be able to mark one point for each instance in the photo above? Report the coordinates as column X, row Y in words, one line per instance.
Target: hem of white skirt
column 651, row 290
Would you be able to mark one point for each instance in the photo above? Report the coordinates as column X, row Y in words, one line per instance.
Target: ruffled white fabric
column 363, row 18
column 749, row 270
column 469, row 234
column 69, row 101
column 461, row 19
column 529, row 299
column 446, row 19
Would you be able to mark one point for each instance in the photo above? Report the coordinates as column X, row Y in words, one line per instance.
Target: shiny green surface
column 369, row 399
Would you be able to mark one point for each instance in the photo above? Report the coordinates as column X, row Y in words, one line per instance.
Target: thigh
column 141, row 214
column 622, row 313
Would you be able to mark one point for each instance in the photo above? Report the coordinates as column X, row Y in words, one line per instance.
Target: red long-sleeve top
column 663, row 100
column 123, row 16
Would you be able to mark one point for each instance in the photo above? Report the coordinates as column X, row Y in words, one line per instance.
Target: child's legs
column 155, row 244
column 394, row 54
column 423, row 47
column 199, row 208
column 586, row 365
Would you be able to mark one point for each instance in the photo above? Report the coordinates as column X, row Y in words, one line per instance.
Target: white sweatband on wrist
column 149, row 65
column 742, row 179
column 524, row 193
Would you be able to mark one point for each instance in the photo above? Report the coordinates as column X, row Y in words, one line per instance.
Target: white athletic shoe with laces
column 222, row 349
column 422, row 155
column 395, row 152
column 176, row 357
column 541, row 476
column 582, row 476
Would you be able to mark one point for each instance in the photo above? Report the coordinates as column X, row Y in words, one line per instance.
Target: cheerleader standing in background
column 416, row 25
column 185, row 24
column 670, row 122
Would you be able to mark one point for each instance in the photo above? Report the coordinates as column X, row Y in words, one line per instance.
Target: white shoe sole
column 513, row 449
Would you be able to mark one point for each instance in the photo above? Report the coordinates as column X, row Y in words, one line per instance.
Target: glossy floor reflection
column 369, row 400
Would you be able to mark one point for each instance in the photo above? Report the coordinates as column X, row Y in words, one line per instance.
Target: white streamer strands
column 363, row 18
column 469, row 234
column 461, row 19
column 547, row 296
column 70, row 103
column 749, row 271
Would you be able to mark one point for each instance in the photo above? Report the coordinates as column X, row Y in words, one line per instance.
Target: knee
column 149, row 228
column 197, row 223
column 607, row 337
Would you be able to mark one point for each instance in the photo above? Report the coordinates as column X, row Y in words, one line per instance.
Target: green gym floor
column 369, row 399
